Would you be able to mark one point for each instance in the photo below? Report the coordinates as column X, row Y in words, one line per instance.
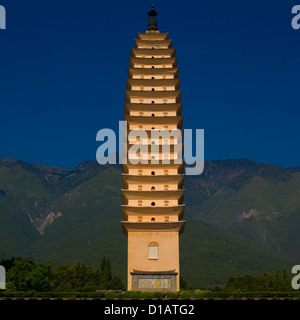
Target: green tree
column 26, row 275
column 62, row 277
column 285, row 281
column 75, row 278
column 41, row 277
column 84, row 278
column 116, row 284
column 20, row 274
column 183, row 284
column 105, row 274
column 63, row 287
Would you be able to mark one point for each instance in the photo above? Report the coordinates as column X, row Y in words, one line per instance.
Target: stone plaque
column 154, row 280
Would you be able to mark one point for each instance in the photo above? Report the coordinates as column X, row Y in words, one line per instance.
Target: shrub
column 110, row 295
column 199, row 294
column 172, row 295
column 90, row 294
column 185, row 295
column 146, row 295
column 131, row 294
column 158, row 294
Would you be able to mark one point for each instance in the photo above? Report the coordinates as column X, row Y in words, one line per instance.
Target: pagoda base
column 154, row 280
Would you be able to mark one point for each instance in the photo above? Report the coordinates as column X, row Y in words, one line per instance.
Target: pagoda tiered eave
column 161, row 148
column 140, row 195
column 171, row 165
column 153, row 36
column 137, row 73
column 175, row 96
column 149, row 53
column 152, row 44
column 151, row 134
column 150, row 83
column 162, row 107
column 175, row 120
column 176, row 226
column 174, row 178
column 174, row 213
column 153, row 63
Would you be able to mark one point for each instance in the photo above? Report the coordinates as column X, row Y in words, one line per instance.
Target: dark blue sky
column 63, row 70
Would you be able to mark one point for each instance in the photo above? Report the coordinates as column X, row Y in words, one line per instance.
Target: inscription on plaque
column 154, row 283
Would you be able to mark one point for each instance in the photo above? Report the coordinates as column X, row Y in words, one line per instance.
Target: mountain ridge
column 73, row 215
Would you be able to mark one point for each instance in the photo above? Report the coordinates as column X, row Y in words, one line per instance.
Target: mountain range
column 242, row 217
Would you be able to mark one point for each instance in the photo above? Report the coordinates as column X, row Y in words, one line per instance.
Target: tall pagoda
column 153, row 188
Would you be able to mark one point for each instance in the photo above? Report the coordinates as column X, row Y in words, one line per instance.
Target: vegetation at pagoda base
column 278, row 281
column 23, row 274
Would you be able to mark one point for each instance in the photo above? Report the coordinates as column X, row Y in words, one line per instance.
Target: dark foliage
column 23, row 274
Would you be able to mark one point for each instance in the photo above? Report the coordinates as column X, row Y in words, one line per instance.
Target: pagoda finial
column 152, row 25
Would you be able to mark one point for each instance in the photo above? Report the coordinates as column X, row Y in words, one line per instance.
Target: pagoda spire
column 152, row 25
